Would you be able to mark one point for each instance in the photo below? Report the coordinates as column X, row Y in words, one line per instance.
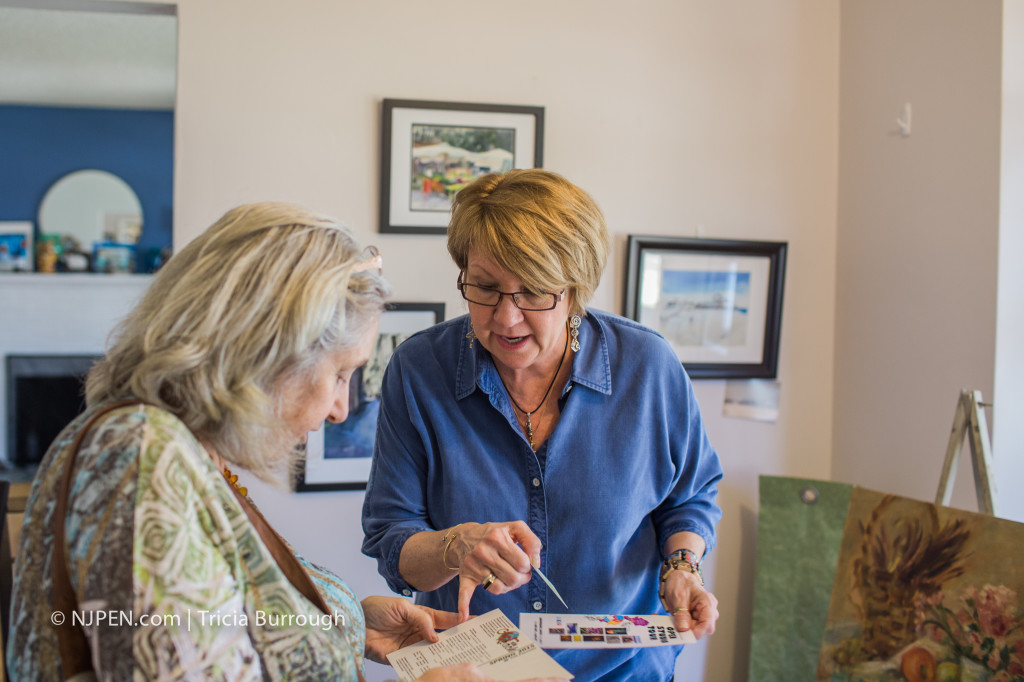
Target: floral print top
column 173, row 580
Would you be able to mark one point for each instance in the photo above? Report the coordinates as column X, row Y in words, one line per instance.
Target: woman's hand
column 499, row 556
column 393, row 623
column 466, row 672
column 690, row 605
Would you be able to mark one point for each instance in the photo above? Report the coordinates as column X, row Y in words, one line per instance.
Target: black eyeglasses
column 524, row 300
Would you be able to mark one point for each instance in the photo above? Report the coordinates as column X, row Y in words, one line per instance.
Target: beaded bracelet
column 681, row 559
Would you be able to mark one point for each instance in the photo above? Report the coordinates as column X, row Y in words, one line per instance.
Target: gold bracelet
column 448, row 538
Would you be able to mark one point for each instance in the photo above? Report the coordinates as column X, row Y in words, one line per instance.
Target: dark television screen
column 44, row 393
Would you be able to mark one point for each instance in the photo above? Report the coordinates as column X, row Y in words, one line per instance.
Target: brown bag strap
column 285, row 558
column 74, row 648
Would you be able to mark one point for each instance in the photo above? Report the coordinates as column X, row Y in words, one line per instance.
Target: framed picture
column 718, row 302
column 16, row 246
column 112, row 257
column 431, row 150
column 338, row 455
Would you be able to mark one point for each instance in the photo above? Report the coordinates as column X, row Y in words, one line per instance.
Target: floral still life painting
column 924, row 593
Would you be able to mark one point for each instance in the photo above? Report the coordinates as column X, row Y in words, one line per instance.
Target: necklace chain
column 529, row 414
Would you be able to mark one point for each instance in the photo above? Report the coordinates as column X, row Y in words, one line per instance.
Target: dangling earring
column 574, row 331
column 471, row 336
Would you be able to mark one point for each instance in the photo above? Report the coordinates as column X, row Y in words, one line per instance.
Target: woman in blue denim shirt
column 533, row 432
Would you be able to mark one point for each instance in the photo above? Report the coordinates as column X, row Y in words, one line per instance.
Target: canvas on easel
column 924, row 592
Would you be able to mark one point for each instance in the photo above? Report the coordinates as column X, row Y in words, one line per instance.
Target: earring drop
column 574, row 331
column 471, row 336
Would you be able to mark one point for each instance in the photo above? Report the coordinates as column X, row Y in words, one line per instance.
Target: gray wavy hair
column 250, row 306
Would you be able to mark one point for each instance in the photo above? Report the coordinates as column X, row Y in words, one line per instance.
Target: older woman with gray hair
column 535, row 431
column 142, row 556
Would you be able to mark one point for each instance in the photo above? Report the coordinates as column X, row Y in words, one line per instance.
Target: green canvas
column 798, row 545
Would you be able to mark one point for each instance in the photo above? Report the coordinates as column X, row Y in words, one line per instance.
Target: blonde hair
column 250, row 306
column 537, row 225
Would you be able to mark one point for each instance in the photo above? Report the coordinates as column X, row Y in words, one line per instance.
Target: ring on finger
column 680, row 610
column 489, row 580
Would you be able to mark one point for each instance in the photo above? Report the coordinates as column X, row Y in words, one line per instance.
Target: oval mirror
column 91, row 206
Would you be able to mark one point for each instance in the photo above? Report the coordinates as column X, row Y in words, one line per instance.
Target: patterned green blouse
column 173, row 580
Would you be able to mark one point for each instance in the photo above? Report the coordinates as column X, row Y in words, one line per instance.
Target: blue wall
column 40, row 145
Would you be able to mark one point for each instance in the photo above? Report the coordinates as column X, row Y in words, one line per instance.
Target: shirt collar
column 591, row 367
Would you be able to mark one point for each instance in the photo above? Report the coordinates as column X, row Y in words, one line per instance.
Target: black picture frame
column 338, row 455
column 717, row 301
column 416, row 139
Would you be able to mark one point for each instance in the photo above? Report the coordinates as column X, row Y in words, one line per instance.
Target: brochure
column 490, row 641
column 596, row 631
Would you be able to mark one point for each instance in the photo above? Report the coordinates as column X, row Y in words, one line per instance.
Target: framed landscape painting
column 338, row 455
column 431, row 150
column 718, row 302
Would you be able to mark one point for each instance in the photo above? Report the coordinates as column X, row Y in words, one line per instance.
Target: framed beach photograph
column 338, row 455
column 16, row 252
column 431, row 150
column 718, row 302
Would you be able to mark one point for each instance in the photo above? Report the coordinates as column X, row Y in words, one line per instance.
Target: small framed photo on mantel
column 431, row 150
column 718, row 302
column 16, row 252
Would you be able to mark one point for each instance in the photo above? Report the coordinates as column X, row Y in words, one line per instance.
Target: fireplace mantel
column 60, row 314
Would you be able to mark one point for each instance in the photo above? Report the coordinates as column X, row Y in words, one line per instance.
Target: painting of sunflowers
column 924, row 593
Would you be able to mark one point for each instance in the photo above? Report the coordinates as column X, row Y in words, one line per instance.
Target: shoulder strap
column 74, row 648
column 285, row 559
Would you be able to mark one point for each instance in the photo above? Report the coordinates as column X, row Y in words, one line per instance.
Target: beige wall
column 918, row 235
column 680, row 117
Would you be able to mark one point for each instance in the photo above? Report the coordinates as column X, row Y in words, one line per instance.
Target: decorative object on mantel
column 72, row 257
column 99, row 214
column 431, row 150
column 113, row 257
column 154, row 259
column 718, row 302
column 46, row 257
column 15, row 246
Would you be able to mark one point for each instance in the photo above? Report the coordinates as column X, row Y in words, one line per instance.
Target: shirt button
column 536, row 483
column 407, row 592
column 537, row 606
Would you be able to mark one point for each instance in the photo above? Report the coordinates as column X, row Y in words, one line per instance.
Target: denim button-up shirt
column 627, row 466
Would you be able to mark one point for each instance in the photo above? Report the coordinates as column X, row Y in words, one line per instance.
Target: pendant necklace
column 529, row 414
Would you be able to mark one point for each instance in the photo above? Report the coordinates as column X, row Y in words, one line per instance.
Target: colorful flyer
column 596, row 631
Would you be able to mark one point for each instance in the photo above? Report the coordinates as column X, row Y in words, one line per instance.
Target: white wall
column 66, row 314
column 918, row 229
column 678, row 116
column 1008, row 428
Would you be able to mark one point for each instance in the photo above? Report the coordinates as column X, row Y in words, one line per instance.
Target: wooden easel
column 969, row 416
